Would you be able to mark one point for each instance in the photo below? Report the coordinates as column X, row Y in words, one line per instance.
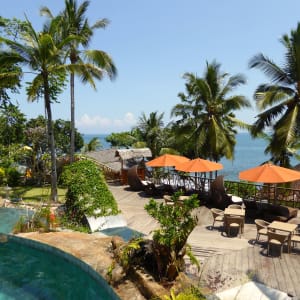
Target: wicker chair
column 218, row 215
column 233, row 222
column 261, row 227
column 277, row 240
column 295, row 239
column 237, row 206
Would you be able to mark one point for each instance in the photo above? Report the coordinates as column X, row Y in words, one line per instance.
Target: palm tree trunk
column 51, row 141
column 72, row 138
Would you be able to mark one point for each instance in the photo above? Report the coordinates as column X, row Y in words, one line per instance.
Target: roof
column 133, row 153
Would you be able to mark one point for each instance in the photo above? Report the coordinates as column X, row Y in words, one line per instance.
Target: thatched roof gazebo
column 126, row 154
column 129, row 157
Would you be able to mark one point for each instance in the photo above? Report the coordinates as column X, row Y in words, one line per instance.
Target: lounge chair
column 136, row 184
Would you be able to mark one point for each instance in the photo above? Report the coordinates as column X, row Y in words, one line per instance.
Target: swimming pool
column 30, row 270
column 29, row 273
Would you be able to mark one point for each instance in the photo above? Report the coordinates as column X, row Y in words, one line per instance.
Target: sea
column 249, row 153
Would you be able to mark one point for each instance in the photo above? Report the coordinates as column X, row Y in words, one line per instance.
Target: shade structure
column 269, row 173
column 199, row 165
column 167, row 160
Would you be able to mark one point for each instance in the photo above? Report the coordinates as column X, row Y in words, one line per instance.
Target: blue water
column 249, row 153
column 124, row 232
column 10, row 216
column 101, row 137
column 30, row 274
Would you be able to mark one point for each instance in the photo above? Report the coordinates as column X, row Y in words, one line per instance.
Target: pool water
column 124, row 232
column 10, row 216
column 30, row 273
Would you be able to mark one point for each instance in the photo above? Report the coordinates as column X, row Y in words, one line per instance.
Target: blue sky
column 153, row 43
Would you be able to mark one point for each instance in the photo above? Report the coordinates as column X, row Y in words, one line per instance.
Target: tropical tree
column 42, row 52
column 94, row 63
column 93, row 145
column 150, row 129
column 279, row 100
column 10, row 73
column 206, row 123
column 12, row 124
column 121, row 139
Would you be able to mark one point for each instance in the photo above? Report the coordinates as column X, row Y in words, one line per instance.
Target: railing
column 110, row 174
column 276, row 194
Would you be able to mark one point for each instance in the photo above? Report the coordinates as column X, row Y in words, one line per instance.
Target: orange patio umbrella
column 167, row 160
column 199, row 165
column 269, row 173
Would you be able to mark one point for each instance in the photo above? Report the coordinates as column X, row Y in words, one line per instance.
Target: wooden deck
column 225, row 262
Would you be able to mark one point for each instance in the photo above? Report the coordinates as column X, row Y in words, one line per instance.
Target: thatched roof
column 125, row 154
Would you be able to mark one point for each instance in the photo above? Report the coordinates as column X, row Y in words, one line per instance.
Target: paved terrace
column 225, row 262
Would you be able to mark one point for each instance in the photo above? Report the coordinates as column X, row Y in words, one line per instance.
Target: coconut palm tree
column 279, row 100
column 150, row 129
column 206, row 123
column 42, row 53
column 74, row 22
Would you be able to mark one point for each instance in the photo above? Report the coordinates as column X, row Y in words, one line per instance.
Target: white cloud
column 99, row 124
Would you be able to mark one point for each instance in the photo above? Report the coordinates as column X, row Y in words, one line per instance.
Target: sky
column 153, row 43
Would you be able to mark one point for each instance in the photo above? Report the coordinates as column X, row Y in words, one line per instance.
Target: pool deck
column 225, row 262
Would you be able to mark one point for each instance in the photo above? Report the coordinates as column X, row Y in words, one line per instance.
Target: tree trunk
column 51, row 142
column 72, row 138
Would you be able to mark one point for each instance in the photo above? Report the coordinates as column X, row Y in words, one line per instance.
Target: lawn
column 32, row 194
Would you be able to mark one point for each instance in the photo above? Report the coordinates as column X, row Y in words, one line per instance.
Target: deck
column 225, row 262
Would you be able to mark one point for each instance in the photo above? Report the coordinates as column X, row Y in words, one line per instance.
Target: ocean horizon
column 249, row 153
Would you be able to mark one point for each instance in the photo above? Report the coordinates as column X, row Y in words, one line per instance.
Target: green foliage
column 12, row 124
column 93, row 145
column 2, row 175
column 206, row 122
column 243, row 189
column 127, row 252
column 176, row 224
column 87, row 192
column 13, row 177
column 191, row 293
column 122, row 139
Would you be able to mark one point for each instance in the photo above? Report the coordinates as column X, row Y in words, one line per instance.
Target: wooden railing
column 109, row 173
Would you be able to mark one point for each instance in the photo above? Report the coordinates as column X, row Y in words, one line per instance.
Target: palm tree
column 150, row 130
column 93, row 145
column 75, row 23
column 205, row 117
column 42, row 53
column 279, row 101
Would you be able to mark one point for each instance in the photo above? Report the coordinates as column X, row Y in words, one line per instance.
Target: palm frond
column 274, row 72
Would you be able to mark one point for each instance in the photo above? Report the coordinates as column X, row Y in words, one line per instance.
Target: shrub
column 13, row 177
column 2, row 175
column 87, row 192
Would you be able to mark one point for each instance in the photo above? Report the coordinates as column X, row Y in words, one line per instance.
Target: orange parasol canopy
column 199, row 165
column 166, row 160
column 269, row 173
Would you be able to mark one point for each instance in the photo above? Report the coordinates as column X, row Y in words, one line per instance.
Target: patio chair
column 233, row 223
column 277, row 240
column 261, row 227
column 136, row 184
column 295, row 239
column 237, row 206
column 218, row 216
